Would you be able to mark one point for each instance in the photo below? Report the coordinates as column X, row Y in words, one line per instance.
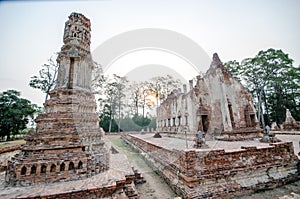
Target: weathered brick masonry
column 217, row 104
column 202, row 173
column 67, row 143
column 66, row 157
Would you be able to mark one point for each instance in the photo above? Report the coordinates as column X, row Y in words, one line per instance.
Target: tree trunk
column 110, row 116
column 261, row 110
column 136, row 107
column 267, row 107
column 258, row 107
column 119, row 116
column 279, row 103
column 156, row 112
column 110, row 121
column 46, row 98
column 8, row 133
column 143, row 107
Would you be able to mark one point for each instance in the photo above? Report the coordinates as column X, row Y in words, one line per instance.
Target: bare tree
column 46, row 79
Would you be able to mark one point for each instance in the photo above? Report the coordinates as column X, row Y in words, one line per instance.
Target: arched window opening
column 79, row 165
column 23, row 170
column 71, row 166
column 53, row 168
column 43, row 169
column 33, row 170
column 62, row 167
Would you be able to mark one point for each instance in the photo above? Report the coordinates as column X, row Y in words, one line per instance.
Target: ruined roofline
column 215, row 64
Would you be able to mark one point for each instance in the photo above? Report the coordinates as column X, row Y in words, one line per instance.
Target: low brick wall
column 196, row 173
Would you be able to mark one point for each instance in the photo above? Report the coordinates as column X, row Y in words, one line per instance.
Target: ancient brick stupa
column 66, row 144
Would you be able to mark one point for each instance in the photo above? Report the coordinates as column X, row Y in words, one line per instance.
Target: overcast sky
column 236, row 29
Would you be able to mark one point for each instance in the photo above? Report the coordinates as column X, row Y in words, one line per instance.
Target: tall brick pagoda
column 66, row 144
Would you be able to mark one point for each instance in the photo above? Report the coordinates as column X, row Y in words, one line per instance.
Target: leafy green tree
column 120, row 95
column 14, row 113
column 112, row 93
column 106, row 123
column 235, row 69
column 141, row 120
column 272, row 79
column 283, row 93
column 46, row 79
column 137, row 123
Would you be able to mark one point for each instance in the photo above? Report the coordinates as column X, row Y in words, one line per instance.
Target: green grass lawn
column 117, row 142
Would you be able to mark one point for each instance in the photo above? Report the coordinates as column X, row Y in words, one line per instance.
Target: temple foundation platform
column 117, row 182
column 224, row 170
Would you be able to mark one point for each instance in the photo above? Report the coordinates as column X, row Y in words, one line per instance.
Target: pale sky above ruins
column 32, row 31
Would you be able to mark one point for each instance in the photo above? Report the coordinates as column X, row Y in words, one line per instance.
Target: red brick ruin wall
column 217, row 104
column 219, row 173
column 218, row 162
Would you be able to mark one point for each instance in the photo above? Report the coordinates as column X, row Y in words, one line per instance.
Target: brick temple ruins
column 66, row 156
column 67, row 143
column 290, row 123
column 233, row 162
column 217, row 105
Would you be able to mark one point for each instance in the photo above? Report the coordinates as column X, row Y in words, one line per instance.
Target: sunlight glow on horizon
column 133, row 60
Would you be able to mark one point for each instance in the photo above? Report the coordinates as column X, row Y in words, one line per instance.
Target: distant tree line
column 274, row 83
column 125, row 106
column 15, row 113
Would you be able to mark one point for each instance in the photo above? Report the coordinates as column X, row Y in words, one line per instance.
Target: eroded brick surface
column 226, row 169
column 67, row 143
column 117, row 182
column 217, row 104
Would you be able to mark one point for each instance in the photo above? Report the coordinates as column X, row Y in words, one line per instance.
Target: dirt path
column 155, row 187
